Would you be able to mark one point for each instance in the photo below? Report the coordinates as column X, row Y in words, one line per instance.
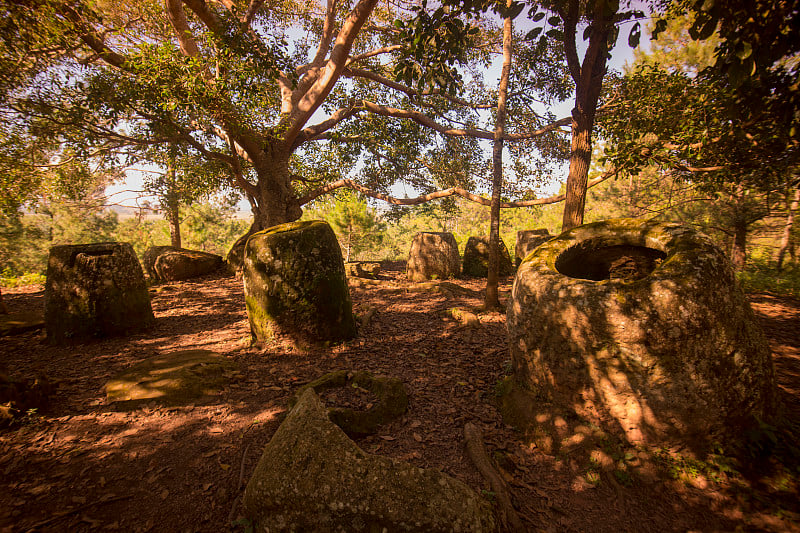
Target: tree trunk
column 174, row 219
column 579, row 160
column 276, row 202
column 588, row 77
column 787, row 228
column 491, row 299
column 739, row 248
column 3, row 308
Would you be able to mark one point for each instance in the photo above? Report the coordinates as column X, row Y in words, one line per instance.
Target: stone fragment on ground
column 95, row 290
column 167, row 263
column 390, row 392
column 363, row 269
column 312, row 477
column 171, row 379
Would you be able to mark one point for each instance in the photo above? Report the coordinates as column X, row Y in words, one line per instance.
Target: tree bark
column 491, row 300
column 275, row 200
column 174, row 219
column 739, row 248
column 588, row 78
column 786, row 240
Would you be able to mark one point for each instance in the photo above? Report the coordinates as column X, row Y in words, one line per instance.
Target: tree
column 682, row 117
column 356, row 225
column 222, row 79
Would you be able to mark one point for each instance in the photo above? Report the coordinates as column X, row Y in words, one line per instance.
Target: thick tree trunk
column 491, row 299
column 276, row 202
column 3, row 308
column 786, row 240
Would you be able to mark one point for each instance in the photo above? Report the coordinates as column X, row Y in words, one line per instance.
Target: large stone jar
column 95, row 290
column 433, row 255
column 527, row 241
column 641, row 327
column 476, row 258
column 295, row 284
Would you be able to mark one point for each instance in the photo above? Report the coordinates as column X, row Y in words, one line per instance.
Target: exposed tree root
column 477, row 453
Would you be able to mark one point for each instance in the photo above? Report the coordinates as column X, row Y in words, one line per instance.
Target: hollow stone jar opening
column 599, row 261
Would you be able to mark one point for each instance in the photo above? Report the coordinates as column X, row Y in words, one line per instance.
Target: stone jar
column 295, row 284
column 640, row 327
column 95, row 290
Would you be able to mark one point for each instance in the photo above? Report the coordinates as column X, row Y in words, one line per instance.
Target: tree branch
column 366, row 74
column 314, row 97
column 442, row 194
column 428, row 122
column 177, row 19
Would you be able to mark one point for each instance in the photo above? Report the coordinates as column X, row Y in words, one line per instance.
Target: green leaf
column 531, row 35
column 538, row 16
column 554, row 21
column 515, row 10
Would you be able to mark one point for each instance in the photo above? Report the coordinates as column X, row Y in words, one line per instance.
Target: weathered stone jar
column 476, row 258
column 95, row 290
column 641, row 327
column 433, row 255
column 295, row 284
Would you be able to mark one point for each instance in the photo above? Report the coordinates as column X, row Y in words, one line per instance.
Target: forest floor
column 83, row 465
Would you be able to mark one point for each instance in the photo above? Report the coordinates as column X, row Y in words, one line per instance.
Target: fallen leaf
column 417, row 437
column 388, row 437
column 206, row 486
column 164, row 494
column 224, row 466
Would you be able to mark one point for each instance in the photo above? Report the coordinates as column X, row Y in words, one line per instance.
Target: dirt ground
column 83, row 465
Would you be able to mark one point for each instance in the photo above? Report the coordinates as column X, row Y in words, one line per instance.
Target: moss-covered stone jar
column 95, row 290
column 640, row 327
column 476, row 258
column 295, row 284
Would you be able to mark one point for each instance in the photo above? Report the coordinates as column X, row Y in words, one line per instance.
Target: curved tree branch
column 314, row 97
column 458, row 191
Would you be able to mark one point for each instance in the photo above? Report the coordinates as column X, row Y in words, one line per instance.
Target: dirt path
column 84, row 466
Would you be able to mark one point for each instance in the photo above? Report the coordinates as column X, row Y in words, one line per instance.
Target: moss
column 295, row 284
column 391, row 394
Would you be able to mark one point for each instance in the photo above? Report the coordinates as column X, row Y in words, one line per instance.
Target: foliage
column 212, row 227
column 358, row 227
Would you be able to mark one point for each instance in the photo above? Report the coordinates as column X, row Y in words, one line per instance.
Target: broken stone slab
column 527, row 241
column 363, row 269
column 476, row 258
column 295, row 284
column 433, row 255
column 95, row 290
column 167, row 263
column 312, row 477
column 391, row 393
column 16, row 323
column 642, row 329
column 171, row 379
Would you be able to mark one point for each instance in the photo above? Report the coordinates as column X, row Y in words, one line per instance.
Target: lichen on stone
column 295, row 284
column 312, row 477
column 674, row 355
column 391, row 394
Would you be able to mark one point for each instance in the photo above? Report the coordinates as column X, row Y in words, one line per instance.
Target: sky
column 129, row 192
